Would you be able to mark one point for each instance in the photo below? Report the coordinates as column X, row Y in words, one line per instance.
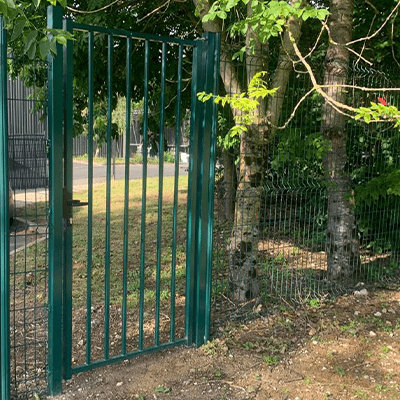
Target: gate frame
column 200, row 206
column 4, row 225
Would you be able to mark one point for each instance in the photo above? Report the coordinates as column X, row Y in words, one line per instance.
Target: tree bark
column 342, row 241
column 243, row 245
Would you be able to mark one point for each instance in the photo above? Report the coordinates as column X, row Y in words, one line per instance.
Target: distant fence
column 27, row 161
column 27, row 138
column 80, row 143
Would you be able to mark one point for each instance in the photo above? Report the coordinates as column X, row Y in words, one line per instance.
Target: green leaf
column 10, row 4
column 322, row 13
column 44, row 48
column 30, row 40
column 222, row 14
column 53, row 47
column 32, row 51
column 36, row 3
column 19, row 26
column 63, row 3
column 61, row 39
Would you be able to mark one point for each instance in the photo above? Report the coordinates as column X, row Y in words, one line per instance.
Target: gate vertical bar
column 4, row 225
column 108, row 203
column 201, row 189
column 207, row 209
column 160, row 193
column 55, row 122
column 144, row 190
column 68, row 180
column 90, row 201
column 191, row 250
column 176, row 187
column 126, row 198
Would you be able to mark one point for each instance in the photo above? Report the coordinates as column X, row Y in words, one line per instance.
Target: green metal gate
column 129, row 266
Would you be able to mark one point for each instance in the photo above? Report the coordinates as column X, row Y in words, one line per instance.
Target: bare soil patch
column 345, row 349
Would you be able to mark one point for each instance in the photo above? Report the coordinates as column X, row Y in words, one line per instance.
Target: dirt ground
column 343, row 349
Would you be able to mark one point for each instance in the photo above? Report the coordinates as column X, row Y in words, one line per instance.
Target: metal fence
column 28, row 233
column 81, row 148
column 291, row 248
column 80, row 297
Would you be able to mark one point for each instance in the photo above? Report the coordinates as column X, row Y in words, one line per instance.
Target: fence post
column 68, row 191
column 4, row 225
column 201, row 189
column 55, row 123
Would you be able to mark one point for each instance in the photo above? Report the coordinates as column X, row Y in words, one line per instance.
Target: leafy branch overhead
column 246, row 103
column 267, row 19
column 36, row 40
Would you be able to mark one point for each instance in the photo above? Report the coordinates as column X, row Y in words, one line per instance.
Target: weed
column 140, row 397
column 350, row 328
column 218, row 373
column 211, row 347
column 295, row 251
column 385, row 349
column 252, row 389
column 271, row 360
column 315, row 303
column 369, row 353
column 249, row 345
column 162, row 389
column 307, row 381
column 389, row 375
column 360, row 393
column 327, row 395
column 340, row 371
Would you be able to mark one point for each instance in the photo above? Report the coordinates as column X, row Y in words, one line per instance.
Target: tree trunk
column 243, row 245
column 230, row 184
column 342, row 242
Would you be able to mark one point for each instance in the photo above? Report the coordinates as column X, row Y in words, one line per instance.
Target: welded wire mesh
column 290, row 244
column 28, row 172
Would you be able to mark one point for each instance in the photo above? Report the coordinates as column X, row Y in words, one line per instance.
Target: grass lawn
column 156, row 245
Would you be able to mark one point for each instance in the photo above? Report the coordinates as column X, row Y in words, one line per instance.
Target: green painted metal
column 128, row 356
column 56, row 258
column 68, row 190
column 160, row 192
column 126, row 198
column 201, row 186
column 144, row 191
column 134, row 35
column 176, row 182
column 4, row 226
column 199, row 228
column 108, row 202
column 90, row 200
column 209, row 160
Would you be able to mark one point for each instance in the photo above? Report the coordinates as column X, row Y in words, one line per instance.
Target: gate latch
column 69, row 203
column 76, row 203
